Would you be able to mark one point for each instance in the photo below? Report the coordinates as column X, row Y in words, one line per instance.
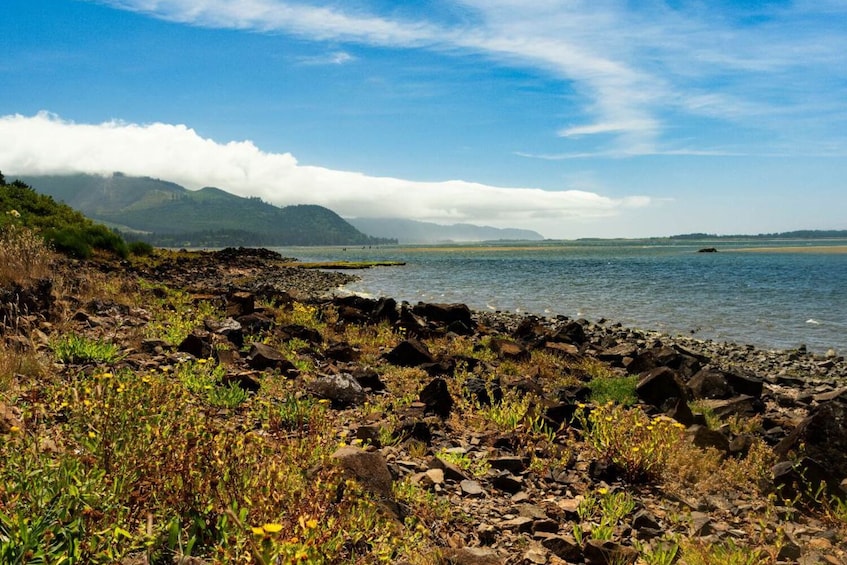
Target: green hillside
column 23, row 209
column 164, row 213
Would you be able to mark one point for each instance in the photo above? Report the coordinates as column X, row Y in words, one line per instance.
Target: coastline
column 467, row 433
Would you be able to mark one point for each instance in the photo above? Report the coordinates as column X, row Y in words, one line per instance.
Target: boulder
column 240, row 304
column 658, row 386
column 436, row 397
column 508, row 349
column 572, row 333
column 371, row 470
column 255, row 323
column 445, row 313
column 409, row 353
column 229, row 328
column 263, row 356
column 342, row 389
column 709, row 383
column 196, row 344
column 292, row 331
column 822, row 437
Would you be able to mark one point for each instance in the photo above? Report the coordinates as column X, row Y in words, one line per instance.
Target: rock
column 744, row 406
column 436, row 397
column 563, row 547
column 263, row 356
column 471, row 556
column 703, row 437
column 514, row 465
column 10, row 421
column 451, row 471
column 681, row 412
column 659, row 385
column 229, row 328
column 409, row 353
column 508, row 349
column 572, row 333
column 822, row 440
column 341, row 351
column 445, row 313
column 471, row 488
column 245, row 381
column 341, row 388
column 507, row 483
column 646, row 525
column 240, row 304
column 370, row 469
column 476, row 390
column 708, row 383
column 603, row 552
column 535, row 556
column 518, row 524
column 196, row 344
column 255, row 323
column 565, row 350
column 744, row 385
column 297, row 331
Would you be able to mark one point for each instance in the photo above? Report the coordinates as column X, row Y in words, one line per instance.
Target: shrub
column 638, row 445
column 23, row 256
column 140, row 248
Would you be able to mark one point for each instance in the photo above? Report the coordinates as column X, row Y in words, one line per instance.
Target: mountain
column 411, row 231
column 164, row 213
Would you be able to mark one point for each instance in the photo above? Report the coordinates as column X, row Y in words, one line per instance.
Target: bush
column 80, row 242
column 140, row 248
column 68, row 242
column 23, row 256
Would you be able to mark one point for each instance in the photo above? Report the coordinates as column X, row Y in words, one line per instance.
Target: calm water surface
column 771, row 300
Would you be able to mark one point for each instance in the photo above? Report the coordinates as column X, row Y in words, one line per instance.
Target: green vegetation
column 109, row 456
column 67, row 230
column 73, row 348
column 166, row 214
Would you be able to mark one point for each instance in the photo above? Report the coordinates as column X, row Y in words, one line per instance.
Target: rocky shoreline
column 795, row 402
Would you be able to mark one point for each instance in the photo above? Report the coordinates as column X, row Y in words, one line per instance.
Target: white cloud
column 633, row 64
column 46, row 144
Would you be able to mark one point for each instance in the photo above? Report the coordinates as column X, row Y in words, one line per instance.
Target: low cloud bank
column 45, row 144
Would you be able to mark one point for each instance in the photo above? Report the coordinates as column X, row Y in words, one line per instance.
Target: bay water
column 768, row 293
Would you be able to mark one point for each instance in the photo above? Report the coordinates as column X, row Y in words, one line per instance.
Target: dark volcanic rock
column 445, row 313
column 196, row 344
column 822, row 437
column 709, row 384
column 658, row 386
column 409, row 353
column 508, row 349
column 436, row 397
column 264, row 356
column 572, row 332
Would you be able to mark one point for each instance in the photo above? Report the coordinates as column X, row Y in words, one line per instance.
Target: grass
column 75, row 348
column 161, row 462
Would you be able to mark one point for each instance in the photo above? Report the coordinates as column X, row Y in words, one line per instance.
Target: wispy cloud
column 46, row 144
column 333, row 58
column 634, row 66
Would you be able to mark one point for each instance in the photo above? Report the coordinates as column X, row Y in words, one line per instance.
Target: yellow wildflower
column 272, row 528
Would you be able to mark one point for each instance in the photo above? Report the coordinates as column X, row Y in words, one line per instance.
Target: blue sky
column 574, row 118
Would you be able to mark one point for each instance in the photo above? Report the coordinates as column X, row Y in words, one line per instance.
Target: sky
column 594, row 118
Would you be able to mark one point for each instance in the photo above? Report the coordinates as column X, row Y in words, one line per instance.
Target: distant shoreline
column 828, row 249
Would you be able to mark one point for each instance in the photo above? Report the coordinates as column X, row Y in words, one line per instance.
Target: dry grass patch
column 24, row 257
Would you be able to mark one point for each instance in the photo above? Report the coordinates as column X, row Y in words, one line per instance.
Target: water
column 770, row 300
